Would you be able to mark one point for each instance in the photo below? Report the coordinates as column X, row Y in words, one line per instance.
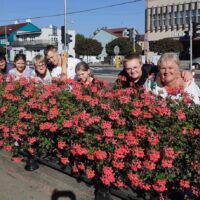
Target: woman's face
column 169, row 71
column 2, row 64
column 83, row 75
column 20, row 65
column 40, row 68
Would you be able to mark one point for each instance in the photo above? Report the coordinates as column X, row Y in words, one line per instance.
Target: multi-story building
column 169, row 18
column 29, row 39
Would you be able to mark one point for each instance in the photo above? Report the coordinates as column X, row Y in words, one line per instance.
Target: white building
column 31, row 43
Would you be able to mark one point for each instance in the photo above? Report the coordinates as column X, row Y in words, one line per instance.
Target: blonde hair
column 169, row 56
column 83, row 66
column 38, row 58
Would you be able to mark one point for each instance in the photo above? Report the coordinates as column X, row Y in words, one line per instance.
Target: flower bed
column 120, row 138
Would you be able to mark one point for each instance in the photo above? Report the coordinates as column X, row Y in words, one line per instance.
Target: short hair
column 20, row 56
column 82, row 66
column 169, row 56
column 38, row 58
column 2, row 57
column 49, row 48
column 132, row 57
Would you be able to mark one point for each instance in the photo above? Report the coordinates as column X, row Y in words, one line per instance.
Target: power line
column 75, row 12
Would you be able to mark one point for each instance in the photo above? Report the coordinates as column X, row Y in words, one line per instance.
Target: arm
column 64, row 58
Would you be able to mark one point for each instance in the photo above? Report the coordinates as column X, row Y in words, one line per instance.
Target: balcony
column 33, row 43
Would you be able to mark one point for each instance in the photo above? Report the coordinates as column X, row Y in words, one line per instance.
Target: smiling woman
column 41, row 73
column 171, row 80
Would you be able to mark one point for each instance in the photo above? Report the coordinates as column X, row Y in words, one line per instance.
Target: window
column 170, row 19
column 194, row 15
column 159, row 20
column 198, row 15
column 181, row 17
column 54, row 30
column 175, row 18
column 154, row 21
column 164, row 19
column 187, row 17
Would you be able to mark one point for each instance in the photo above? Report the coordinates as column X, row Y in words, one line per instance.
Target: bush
column 120, row 138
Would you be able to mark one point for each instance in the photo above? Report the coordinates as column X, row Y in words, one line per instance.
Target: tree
column 79, row 37
column 124, row 45
column 165, row 45
column 2, row 50
column 87, row 47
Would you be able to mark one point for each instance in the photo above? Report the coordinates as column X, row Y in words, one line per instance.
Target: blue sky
column 128, row 15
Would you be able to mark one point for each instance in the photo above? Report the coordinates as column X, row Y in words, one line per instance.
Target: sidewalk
column 18, row 184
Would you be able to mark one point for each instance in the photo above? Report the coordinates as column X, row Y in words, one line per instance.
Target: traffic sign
column 116, row 50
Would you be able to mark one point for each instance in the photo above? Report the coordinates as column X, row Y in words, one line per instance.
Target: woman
column 84, row 74
column 41, row 73
column 171, row 79
column 4, row 66
column 19, row 67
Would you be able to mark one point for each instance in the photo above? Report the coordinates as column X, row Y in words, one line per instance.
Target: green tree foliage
column 124, row 45
column 79, row 37
column 87, row 46
column 166, row 45
column 2, row 50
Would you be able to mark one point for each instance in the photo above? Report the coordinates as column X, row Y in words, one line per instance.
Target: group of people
column 63, row 67
column 168, row 74
column 134, row 73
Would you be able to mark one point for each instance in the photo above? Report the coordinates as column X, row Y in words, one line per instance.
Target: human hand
column 186, row 75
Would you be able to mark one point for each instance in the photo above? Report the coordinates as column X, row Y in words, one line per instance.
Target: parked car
column 196, row 63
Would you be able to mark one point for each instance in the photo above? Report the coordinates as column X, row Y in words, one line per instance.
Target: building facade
column 105, row 35
column 169, row 18
column 29, row 39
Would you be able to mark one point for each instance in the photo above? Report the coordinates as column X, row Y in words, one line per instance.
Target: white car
column 196, row 63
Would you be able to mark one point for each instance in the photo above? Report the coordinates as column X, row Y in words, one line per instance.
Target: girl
column 4, row 66
column 19, row 67
column 83, row 73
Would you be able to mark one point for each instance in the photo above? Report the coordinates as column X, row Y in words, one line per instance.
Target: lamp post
column 6, row 41
column 65, row 23
column 191, row 33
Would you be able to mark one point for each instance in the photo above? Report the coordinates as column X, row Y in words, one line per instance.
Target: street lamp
column 6, row 39
column 65, row 23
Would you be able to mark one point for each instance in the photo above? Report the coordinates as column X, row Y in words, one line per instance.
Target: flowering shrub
column 120, row 138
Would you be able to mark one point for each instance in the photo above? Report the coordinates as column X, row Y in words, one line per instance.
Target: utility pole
column 191, row 33
column 6, row 42
column 65, row 23
column 133, row 40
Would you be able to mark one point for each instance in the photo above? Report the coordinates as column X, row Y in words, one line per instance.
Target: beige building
column 169, row 18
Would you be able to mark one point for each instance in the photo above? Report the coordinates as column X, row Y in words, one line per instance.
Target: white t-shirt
column 17, row 75
column 45, row 80
column 191, row 88
column 71, row 74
